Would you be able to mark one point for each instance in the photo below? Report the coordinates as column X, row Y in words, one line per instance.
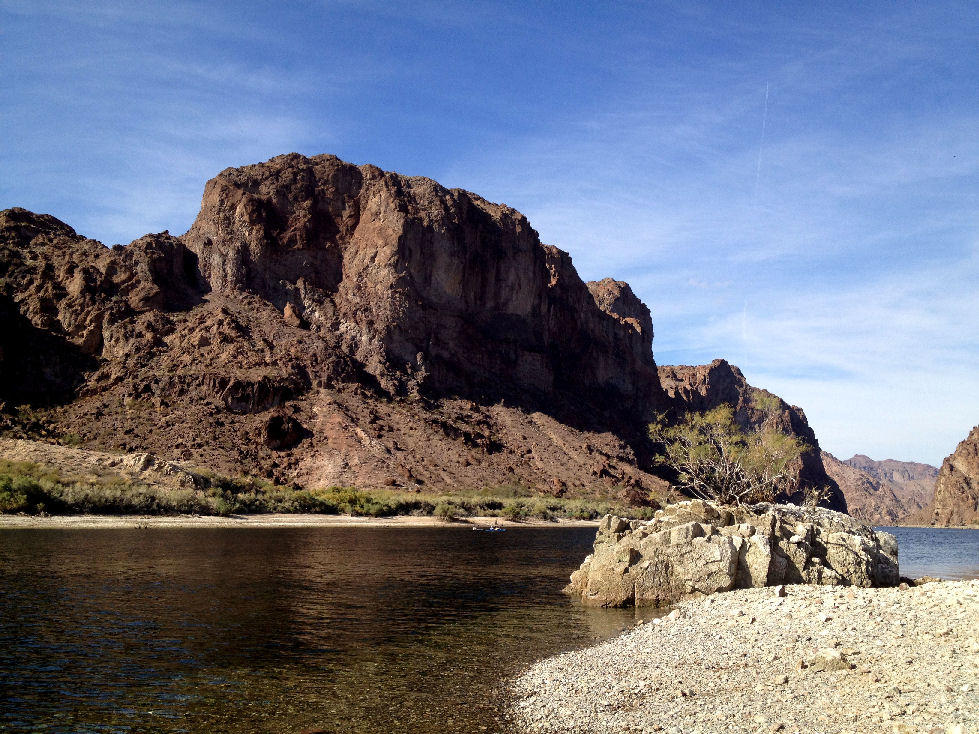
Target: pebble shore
column 818, row 659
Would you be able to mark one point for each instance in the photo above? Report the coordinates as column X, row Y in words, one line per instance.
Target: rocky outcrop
column 431, row 290
column 80, row 465
column 324, row 323
column 957, row 488
column 703, row 387
column 696, row 548
column 882, row 492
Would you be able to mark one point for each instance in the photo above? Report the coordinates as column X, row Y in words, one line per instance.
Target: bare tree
column 715, row 459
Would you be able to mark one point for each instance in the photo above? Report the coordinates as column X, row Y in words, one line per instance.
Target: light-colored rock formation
column 696, row 548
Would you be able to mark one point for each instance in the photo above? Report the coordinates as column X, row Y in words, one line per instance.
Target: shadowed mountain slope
column 324, row 323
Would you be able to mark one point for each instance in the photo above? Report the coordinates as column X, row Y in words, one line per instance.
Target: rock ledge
column 697, row 548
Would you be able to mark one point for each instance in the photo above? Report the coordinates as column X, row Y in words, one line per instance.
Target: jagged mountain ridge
column 326, row 323
column 885, row 492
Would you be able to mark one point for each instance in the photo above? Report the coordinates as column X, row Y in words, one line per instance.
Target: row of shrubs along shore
column 36, row 489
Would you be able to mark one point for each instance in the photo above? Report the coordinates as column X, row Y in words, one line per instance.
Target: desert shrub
column 764, row 401
column 715, row 459
column 642, row 513
column 815, row 495
column 446, row 511
column 582, row 512
column 11, row 499
column 514, row 511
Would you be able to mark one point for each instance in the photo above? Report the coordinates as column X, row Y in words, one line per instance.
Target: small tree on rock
column 715, row 459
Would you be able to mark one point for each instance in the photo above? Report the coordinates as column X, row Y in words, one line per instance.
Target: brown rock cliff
column 430, row 290
column 325, row 323
column 703, row 387
column 885, row 492
column 957, row 488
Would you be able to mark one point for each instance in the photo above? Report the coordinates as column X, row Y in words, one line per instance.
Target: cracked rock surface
column 697, row 548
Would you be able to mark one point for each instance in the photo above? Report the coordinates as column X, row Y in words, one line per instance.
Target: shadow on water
column 281, row 630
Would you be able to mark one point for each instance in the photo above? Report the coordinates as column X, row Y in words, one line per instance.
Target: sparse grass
column 36, row 489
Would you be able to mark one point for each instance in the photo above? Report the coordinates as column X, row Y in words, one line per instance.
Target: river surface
column 285, row 630
column 949, row 553
column 281, row 630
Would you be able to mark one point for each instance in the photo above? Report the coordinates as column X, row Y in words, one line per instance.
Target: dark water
column 280, row 630
column 283, row 630
column 950, row 553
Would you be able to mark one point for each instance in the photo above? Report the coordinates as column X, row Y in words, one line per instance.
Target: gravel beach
column 819, row 659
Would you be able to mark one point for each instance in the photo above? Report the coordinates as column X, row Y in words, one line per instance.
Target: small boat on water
column 490, row 529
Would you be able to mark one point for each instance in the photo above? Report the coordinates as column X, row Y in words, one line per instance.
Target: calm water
column 950, row 553
column 285, row 630
column 280, row 630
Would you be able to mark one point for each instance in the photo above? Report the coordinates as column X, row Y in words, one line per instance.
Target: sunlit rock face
column 696, row 548
column 428, row 288
column 957, row 489
column 326, row 323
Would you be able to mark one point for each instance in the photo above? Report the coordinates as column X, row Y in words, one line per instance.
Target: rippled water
column 280, row 630
column 950, row 553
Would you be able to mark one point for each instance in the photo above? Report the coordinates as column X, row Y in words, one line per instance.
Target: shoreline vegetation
column 37, row 492
column 280, row 520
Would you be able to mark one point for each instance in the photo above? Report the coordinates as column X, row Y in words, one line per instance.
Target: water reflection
column 338, row 629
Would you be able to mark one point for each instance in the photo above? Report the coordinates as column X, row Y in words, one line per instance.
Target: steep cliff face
column 882, row 492
column 326, row 323
column 431, row 290
column 957, row 488
column 332, row 324
column 703, row 387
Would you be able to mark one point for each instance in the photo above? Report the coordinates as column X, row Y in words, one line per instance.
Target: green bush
column 515, row 512
column 446, row 511
column 716, row 459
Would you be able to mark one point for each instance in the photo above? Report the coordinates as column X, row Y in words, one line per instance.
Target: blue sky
column 791, row 186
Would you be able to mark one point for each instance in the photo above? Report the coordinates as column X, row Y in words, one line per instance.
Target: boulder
column 697, row 548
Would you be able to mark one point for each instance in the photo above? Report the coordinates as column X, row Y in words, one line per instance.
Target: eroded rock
column 697, row 548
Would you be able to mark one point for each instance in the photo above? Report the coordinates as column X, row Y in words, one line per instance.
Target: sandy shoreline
column 819, row 660
column 265, row 521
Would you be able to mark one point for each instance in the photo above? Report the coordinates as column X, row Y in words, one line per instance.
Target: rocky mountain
column 882, row 492
column 957, row 489
column 324, row 323
column 703, row 387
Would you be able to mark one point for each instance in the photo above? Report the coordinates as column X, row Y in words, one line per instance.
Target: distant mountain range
column 885, row 492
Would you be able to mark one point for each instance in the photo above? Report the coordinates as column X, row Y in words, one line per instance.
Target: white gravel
column 907, row 660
